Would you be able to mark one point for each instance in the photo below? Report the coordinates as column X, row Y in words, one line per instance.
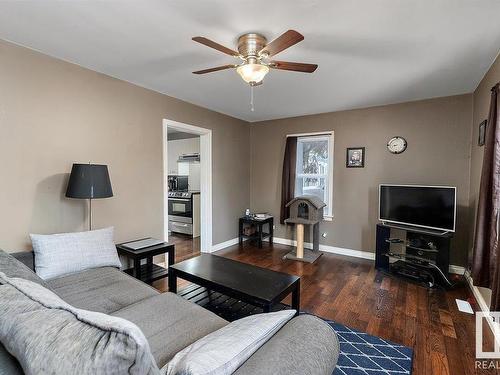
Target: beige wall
column 481, row 105
column 438, row 135
column 53, row 113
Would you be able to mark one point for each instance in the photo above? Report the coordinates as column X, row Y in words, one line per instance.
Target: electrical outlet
column 324, row 235
column 274, row 226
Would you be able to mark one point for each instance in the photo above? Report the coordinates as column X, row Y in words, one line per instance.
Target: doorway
column 205, row 179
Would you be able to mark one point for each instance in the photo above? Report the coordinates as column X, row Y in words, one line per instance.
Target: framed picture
column 355, row 157
column 482, row 133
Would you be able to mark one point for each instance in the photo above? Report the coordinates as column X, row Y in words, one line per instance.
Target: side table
column 260, row 235
column 148, row 272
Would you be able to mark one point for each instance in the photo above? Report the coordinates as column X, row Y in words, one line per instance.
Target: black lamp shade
column 89, row 181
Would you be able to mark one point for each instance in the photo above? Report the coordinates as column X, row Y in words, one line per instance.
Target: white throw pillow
column 64, row 253
column 223, row 351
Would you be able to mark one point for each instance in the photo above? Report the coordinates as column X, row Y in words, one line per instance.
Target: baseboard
column 477, row 294
column 494, row 327
column 328, row 249
column 459, row 270
column 223, row 245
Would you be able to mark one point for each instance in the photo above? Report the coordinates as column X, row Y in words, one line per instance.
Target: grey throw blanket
column 49, row 336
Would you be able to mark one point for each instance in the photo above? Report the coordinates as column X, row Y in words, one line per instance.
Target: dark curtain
column 486, row 261
column 288, row 176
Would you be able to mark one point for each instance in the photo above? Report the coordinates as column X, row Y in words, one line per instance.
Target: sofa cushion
column 40, row 329
column 27, row 258
column 65, row 253
column 305, row 345
column 12, row 267
column 103, row 289
column 8, row 364
column 223, row 351
column 170, row 323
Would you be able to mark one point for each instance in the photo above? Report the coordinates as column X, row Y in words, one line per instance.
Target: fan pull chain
column 252, row 108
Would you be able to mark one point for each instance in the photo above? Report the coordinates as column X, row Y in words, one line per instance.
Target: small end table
column 148, row 272
column 259, row 234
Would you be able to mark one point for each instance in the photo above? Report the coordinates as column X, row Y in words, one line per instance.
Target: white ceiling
column 370, row 52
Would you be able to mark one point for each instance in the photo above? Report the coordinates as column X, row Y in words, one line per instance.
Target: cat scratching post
column 305, row 210
column 299, row 228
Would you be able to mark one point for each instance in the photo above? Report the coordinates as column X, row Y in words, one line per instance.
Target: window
column 314, row 174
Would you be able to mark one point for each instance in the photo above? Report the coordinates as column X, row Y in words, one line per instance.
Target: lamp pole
column 91, row 196
column 90, row 214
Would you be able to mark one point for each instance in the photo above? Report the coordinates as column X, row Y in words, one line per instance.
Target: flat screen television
column 432, row 207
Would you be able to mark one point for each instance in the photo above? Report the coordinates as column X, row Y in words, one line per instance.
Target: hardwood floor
column 350, row 291
column 185, row 246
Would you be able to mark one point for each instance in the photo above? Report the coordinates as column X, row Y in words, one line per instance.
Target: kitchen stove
column 181, row 194
column 184, row 212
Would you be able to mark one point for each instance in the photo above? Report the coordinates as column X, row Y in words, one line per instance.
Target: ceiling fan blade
column 217, row 68
column 217, row 46
column 294, row 66
column 282, row 42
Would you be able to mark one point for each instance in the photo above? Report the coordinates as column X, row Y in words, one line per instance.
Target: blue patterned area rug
column 364, row 354
column 360, row 353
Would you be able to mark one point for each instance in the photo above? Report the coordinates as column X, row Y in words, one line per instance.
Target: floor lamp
column 89, row 181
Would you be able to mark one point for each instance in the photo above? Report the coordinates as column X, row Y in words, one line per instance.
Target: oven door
column 182, row 207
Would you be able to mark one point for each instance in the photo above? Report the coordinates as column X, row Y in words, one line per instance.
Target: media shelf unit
column 422, row 255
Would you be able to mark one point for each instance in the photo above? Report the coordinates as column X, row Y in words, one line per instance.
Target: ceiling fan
column 255, row 52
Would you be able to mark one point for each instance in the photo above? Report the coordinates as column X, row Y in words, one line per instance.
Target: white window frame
column 328, row 215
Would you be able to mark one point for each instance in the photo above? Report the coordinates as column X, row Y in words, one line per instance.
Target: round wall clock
column 397, row 145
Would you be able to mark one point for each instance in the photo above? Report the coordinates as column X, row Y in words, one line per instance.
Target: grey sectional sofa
column 305, row 345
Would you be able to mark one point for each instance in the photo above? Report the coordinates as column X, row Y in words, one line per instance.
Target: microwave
column 178, row 183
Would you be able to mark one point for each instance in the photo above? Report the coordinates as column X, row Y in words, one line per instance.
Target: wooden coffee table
column 254, row 285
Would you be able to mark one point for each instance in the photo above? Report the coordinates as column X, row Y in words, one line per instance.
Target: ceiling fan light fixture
column 252, row 73
column 254, row 50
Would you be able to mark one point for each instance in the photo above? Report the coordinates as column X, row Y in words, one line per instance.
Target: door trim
column 205, row 179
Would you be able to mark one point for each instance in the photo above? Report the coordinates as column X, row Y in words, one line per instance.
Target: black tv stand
column 421, row 255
